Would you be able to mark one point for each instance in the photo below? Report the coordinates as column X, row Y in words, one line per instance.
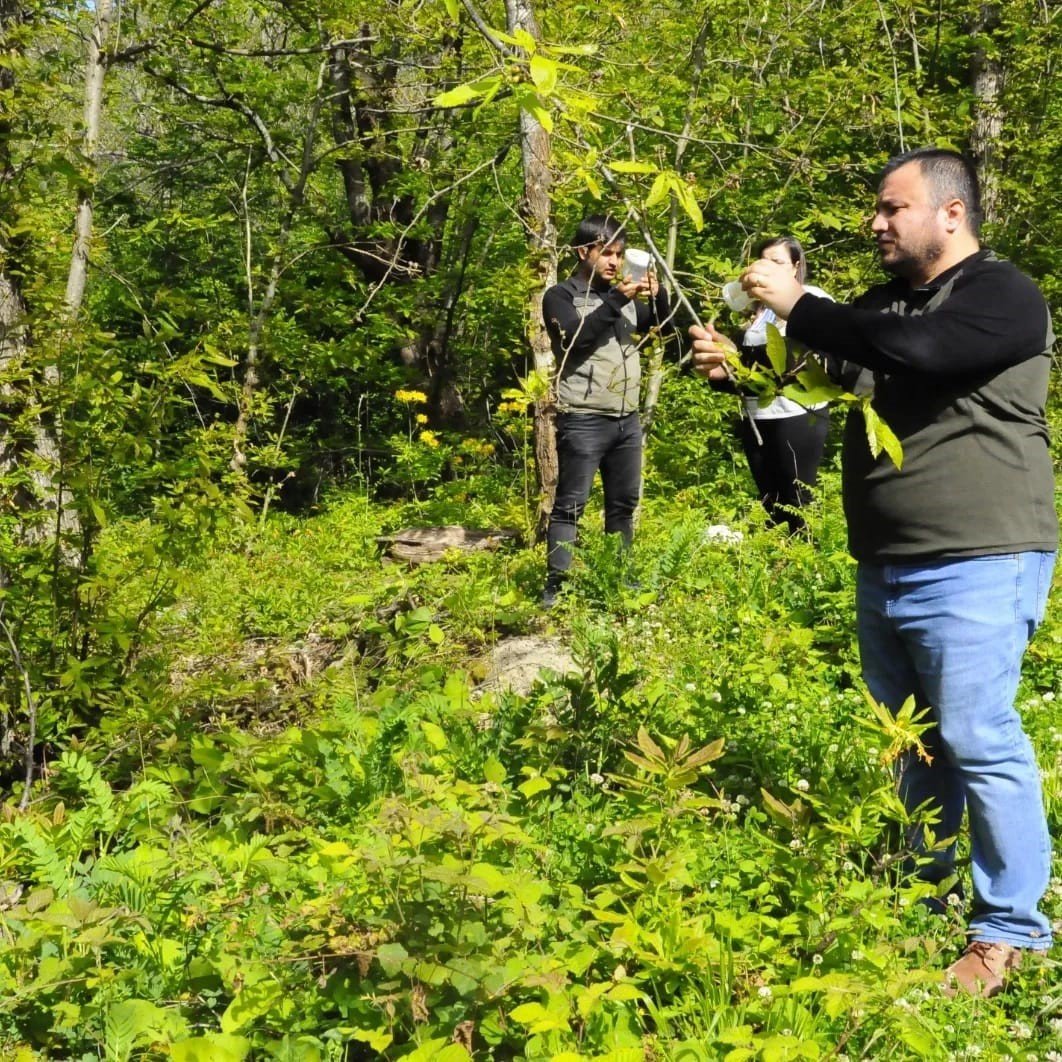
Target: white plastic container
column 636, row 263
column 735, row 296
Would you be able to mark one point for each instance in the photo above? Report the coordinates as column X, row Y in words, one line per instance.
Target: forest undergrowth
column 303, row 830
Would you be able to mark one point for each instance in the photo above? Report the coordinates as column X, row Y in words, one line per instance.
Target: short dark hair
column 949, row 175
column 598, row 230
column 793, row 249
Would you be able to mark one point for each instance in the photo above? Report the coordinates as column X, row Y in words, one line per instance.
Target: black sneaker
column 550, row 595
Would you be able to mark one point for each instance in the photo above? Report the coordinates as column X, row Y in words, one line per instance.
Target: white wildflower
column 803, row 785
column 720, row 534
column 764, row 992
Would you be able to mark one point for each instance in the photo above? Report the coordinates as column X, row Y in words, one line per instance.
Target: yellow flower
column 411, row 397
column 421, row 418
column 429, row 438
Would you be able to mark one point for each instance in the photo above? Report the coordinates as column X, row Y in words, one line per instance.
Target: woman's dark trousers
column 785, row 464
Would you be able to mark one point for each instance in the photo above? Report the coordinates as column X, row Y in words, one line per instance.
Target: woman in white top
column 785, row 445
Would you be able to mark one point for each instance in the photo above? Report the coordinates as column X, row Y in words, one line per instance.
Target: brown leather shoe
column 982, row 969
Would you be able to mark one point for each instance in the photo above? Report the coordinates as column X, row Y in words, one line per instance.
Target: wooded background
column 270, row 287
column 231, row 232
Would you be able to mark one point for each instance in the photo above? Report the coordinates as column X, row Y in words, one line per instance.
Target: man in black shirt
column 596, row 321
column 957, row 547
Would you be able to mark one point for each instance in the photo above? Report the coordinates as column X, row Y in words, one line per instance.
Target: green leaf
column 688, row 202
column 131, row 1023
column 438, row 1049
column 215, row 1047
column 880, row 436
column 453, row 9
column 777, row 808
column 391, row 957
column 658, row 193
column 435, row 634
column 435, row 734
column 918, row 1036
column 543, row 73
column 650, row 749
column 808, row 397
column 593, row 185
column 705, row 754
column 458, row 97
column 527, row 1013
column 777, row 353
column 533, row 786
column 633, row 166
column 377, row 1039
column 39, row 899
column 524, row 39
column 251, row 1002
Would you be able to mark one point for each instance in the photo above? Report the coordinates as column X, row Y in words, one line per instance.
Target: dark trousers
column 587, row 442
column 786, row 462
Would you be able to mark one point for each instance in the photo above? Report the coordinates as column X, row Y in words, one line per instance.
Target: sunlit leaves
column 880, row 436
column 543, row 73
column 777, row 353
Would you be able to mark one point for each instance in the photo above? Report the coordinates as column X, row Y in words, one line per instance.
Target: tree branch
column 480, row 23
column 31, row 707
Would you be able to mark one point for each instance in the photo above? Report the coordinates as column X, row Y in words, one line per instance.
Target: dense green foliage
column 273, row 810
column 301, row 824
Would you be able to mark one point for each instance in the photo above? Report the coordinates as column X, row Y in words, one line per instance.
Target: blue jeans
column 587, row 442
column 952, row 633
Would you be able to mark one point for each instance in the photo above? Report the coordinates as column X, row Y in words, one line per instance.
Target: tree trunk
column 28, row 444
column 537, row 213
column 95, row 69
column 986, row 78
column 259, row 316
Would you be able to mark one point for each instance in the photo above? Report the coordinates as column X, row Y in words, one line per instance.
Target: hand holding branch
column 773, row 285
column 710, row 351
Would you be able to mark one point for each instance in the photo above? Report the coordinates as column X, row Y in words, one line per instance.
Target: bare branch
column 228, row 101
column 271, row 53
column 434, row 197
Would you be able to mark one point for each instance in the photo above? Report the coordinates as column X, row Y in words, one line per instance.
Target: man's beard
column 915, row 261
